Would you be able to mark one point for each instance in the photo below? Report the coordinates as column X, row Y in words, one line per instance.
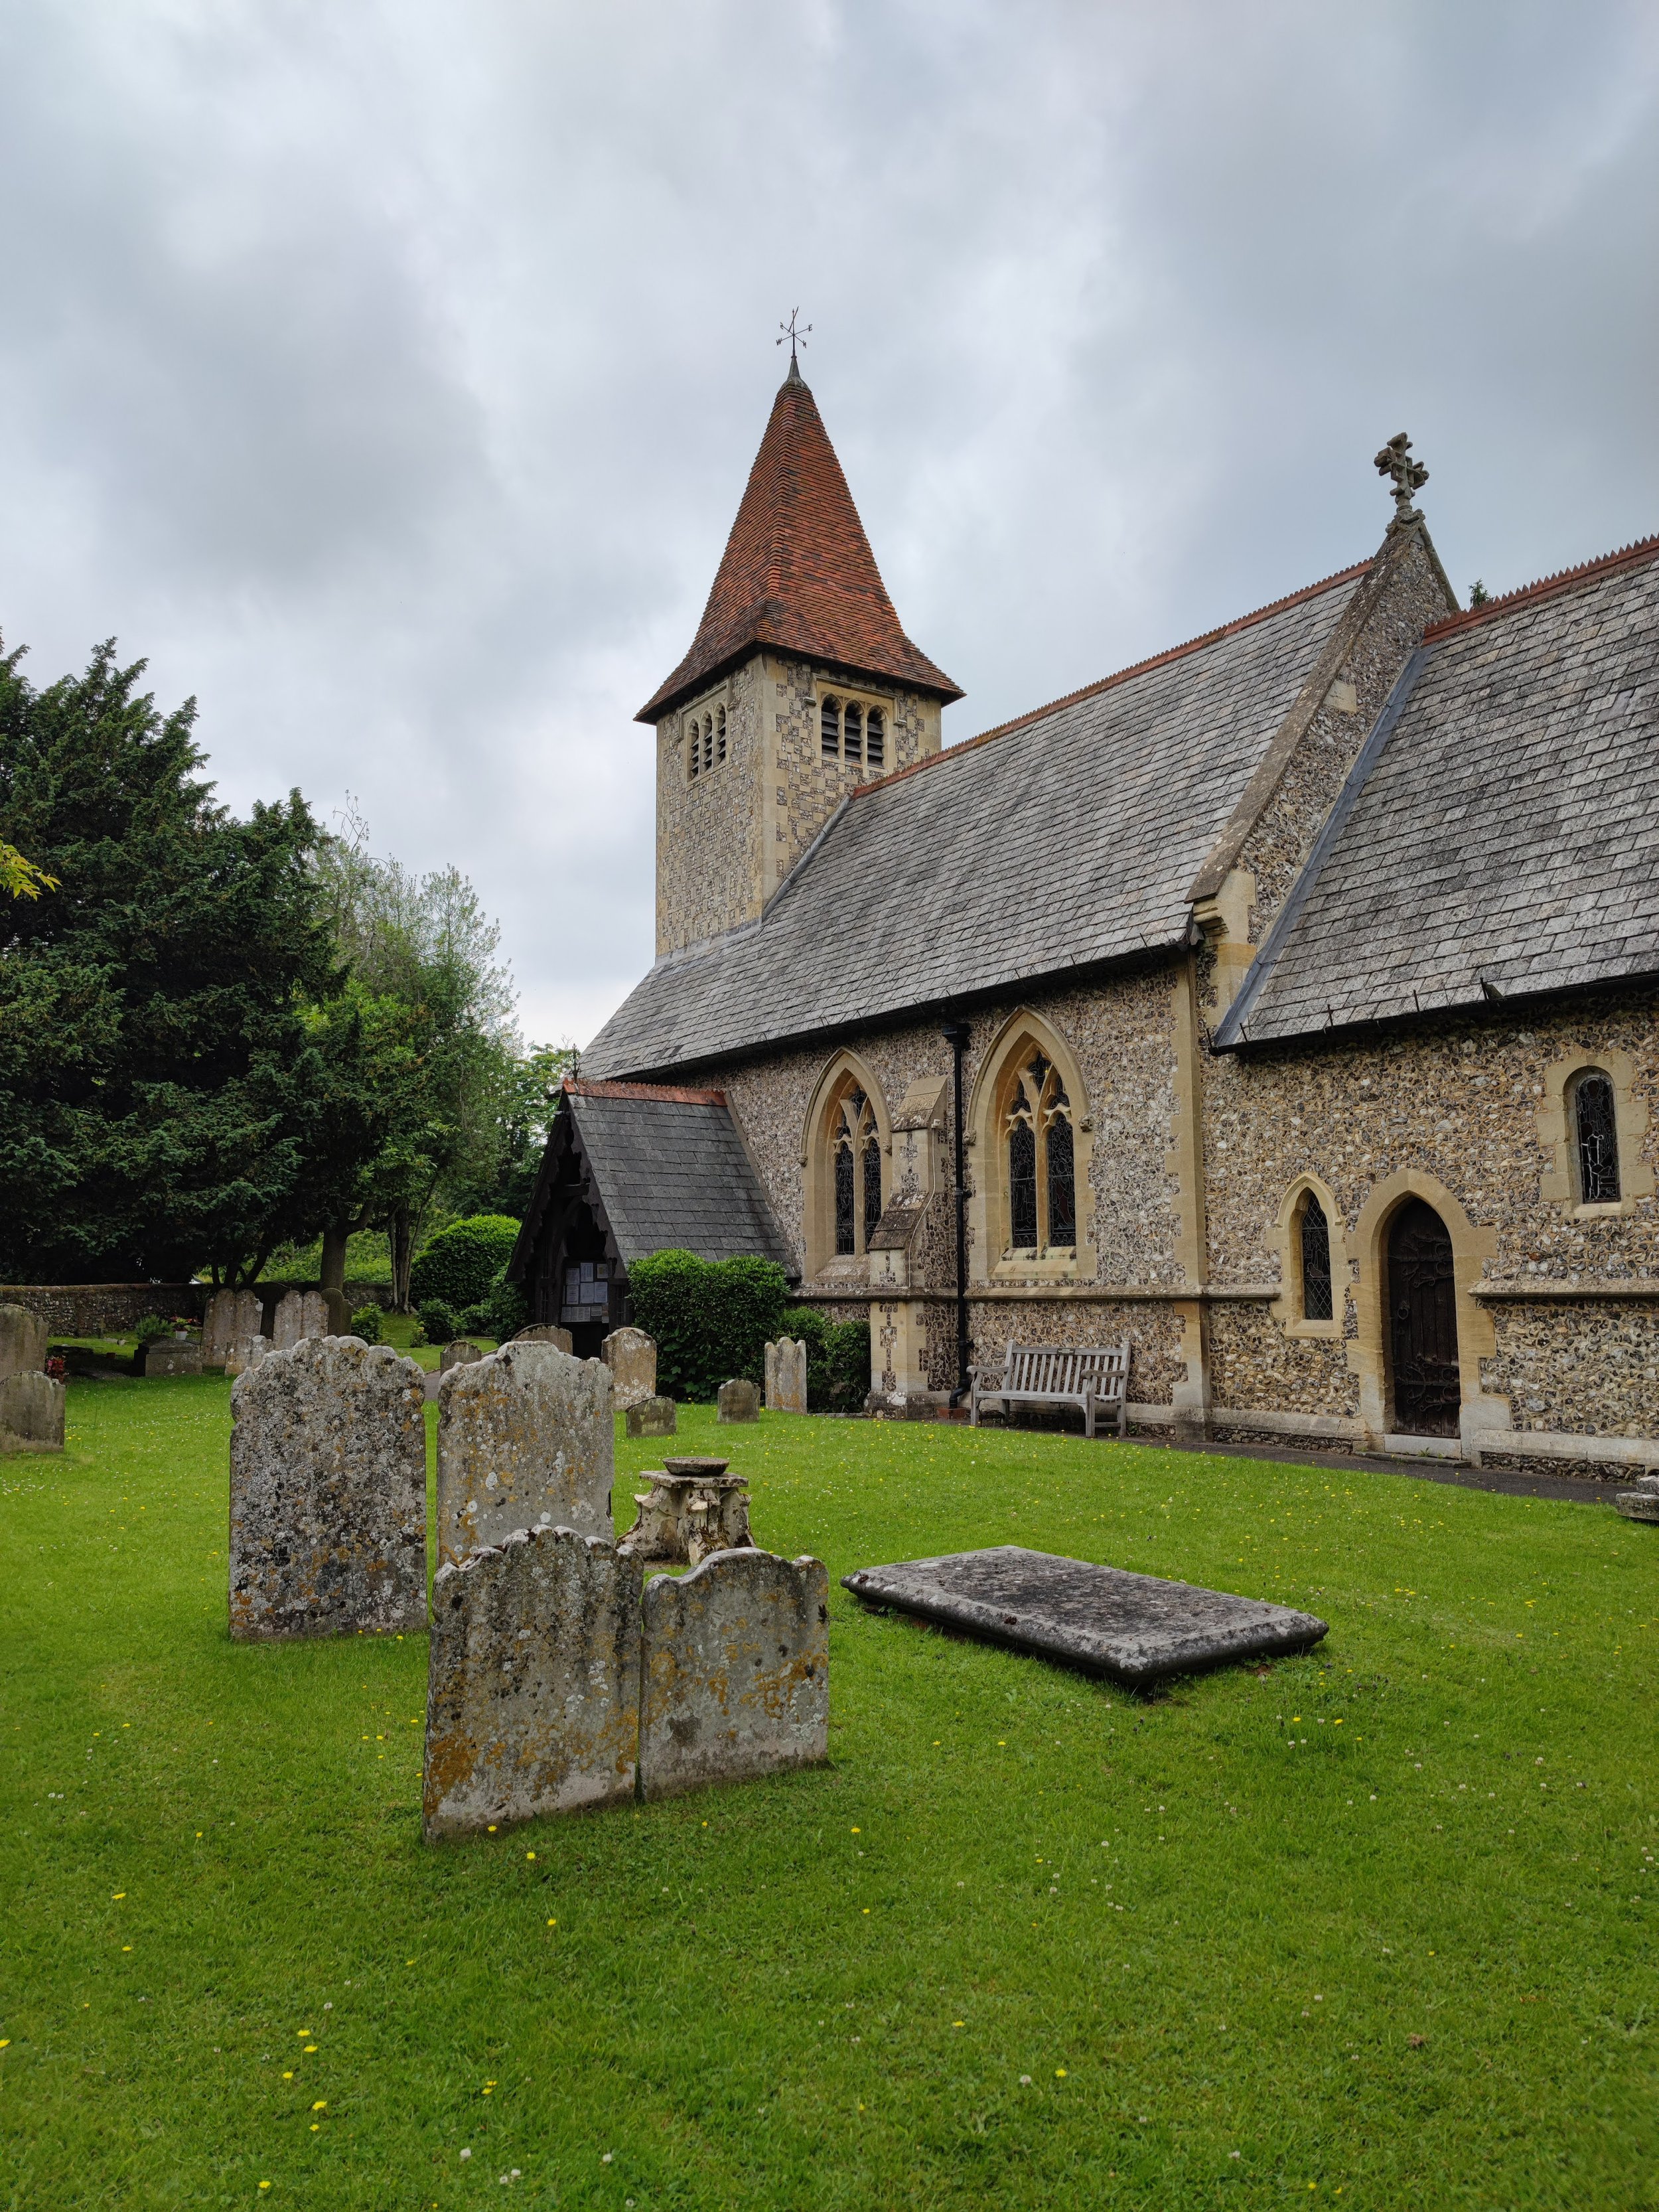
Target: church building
column 1283, row 1005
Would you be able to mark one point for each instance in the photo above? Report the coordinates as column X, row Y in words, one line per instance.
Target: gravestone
column 173, row 1355
column 32, row 1412
column 546, row 1332
column 246, row 1352
column 532, row 1685
column 1136, row 1628
column 524, row 1439
column 458, row 1354
column 786, row 1376
column 631, row 1356
column 652, row 1416
column 23, row 1342
column 735, row 1674
column 301, row 1314
column 739, row 1400
column 1641, row 1503
column 232, row 1317
column 327, row 1492
column 692, row 1510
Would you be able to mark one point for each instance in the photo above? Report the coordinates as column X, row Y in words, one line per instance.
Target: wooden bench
column 1092, row 1377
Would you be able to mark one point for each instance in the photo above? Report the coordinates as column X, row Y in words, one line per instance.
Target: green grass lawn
column 1374, row 1925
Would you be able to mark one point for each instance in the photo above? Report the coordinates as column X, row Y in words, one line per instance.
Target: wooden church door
column 1423, row 1317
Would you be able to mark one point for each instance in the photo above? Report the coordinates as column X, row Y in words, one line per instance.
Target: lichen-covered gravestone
column 736, row 1671
column 247, row 1351
column 327, row 1492
column 458, row 1353
column 31, row 1412
column 232, row 1318
column 301, row 1316
column 546, row 1332
column 532, row 1688
column 631, row 1356
column 23, row 1342
column 786, row 1376
column 524, row 1439
column 652, row 1416
column 738, row 1400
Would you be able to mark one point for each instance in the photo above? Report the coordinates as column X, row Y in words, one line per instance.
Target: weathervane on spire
column 1409, row 475
column 796, row 337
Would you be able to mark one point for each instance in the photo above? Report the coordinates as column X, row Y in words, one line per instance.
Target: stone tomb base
column 1135, row 1628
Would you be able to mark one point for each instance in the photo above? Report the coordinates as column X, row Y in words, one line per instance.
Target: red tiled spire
column 798, row 573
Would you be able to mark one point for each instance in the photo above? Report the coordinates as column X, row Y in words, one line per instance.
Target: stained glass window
column 875, row 738
column 846, row 1215
column 1315, row 1262
column 830, row 729
column 1062, row 1184
column 872, row 1186
column 1022, row 1187
column 1597, row 1133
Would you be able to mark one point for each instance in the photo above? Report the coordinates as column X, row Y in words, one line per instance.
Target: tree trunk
column 334, row 1256
column 402, row 1253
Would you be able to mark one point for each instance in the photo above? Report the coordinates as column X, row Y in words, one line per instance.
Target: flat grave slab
column 1136, row 1628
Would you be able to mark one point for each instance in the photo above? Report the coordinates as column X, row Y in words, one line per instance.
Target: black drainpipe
column 956, row 1036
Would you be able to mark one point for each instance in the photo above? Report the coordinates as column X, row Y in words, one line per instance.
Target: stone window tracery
column 856, row 1144
column 1040, row 1155
column 1595, row 1138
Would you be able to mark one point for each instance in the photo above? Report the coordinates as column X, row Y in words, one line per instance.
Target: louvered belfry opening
column 1422, row 1295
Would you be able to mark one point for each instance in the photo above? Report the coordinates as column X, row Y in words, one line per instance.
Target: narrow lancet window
column 845, row 1213
column 1042, row 1164
column 1062, row 1181
column 1597, row 1133
column 1022, row 1187
column 872, row 1186
column 830, row 729
column 875, row 738
column 1315, row 1262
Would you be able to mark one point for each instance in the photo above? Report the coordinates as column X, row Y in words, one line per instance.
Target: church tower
column 799, row 685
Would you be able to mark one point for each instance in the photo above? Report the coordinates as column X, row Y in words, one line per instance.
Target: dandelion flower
column 529, row 1855
column 321, row 2104
column 1059, row 2072
column 1025, row 2080
column 289, row 2076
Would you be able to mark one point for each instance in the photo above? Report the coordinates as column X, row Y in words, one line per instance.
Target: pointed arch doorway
column 1423, row 1323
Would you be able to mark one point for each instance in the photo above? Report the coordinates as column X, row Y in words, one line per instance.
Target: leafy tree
column 526, row 1105
column 159, row 1080
column 20, row 877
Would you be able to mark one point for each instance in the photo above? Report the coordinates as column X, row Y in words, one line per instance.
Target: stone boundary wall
column 104, row 1308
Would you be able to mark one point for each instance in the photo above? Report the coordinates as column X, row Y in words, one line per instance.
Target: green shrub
column 438, row 1321
column 152, row 1328
column 711, row 1319
column 461, row 1262
column 366, row 1323
column 837, row 1359
column 504, row 1310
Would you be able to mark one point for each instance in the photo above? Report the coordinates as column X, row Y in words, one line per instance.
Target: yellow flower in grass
column 321, row 2104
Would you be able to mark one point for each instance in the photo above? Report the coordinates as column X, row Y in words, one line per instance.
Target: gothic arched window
column 829, row 728
column 1316, row 1235
column 1595, row 1138
column 856, row 1142
column 875, row 737
column 853, row 725
column 1042, row 1161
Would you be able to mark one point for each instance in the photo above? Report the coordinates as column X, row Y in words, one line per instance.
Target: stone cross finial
column 1409, row 475
column 796, row 337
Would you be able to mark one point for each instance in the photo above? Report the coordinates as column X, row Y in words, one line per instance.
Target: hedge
column 711, row 1319
column 837, row 1359
column 462, row 1261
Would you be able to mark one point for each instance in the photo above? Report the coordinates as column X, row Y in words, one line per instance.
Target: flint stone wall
column 525, row 1438
column 736, row 1672
column 327, row 1493
column 24, row 1337
column 31, row 1412
column 786, row 1376
column 532, row 1701
column 631, row 1356
column 101, row 1309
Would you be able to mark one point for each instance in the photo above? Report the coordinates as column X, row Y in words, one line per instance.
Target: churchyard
column 1369, row 1926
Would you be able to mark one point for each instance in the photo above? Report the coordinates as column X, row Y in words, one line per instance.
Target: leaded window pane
column 1315, row 1262
column 1022, row 1187
column 845, row 1213
column 1062, row 1184
column 1598, row 1141
column 871, row 1187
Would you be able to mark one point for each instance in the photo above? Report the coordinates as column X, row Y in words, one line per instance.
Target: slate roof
column 1499, row 834
column 1069, row 838
column 798, row 573
column 673, row 1174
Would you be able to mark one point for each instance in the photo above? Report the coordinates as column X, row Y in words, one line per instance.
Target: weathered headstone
column 786, row 1376
column 532, row 1685
column 524, row 1439
column 246, row 1352
column 1135, row 1627
column 652, row 1416
column 233, row 1316
column 631, row 1356
column 546, row 1332
column 692, row 1510
column 173, row 1355
column 458, row 1353
column 31, row 1412
column 301, row 1314
column 738, row 1400
column 736, row 1671
column 23, row 1342
column 327, row 1492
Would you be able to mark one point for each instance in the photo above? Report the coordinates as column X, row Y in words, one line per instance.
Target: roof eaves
column 1626, row 556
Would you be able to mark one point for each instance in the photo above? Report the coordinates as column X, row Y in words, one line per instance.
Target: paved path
column 1504, row 1479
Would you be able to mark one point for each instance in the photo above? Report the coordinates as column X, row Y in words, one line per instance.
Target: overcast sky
column 388, row 375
